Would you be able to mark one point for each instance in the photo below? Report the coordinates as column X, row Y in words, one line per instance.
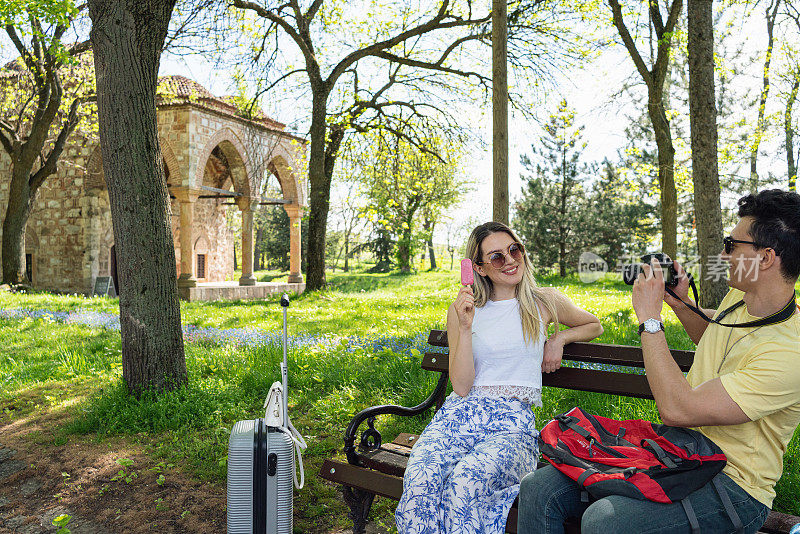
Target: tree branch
column 288, row 28
column 6, row 141
column 629, row 44
column 434, row 23
column 49, row 166
column 80, row 48
column 655, row 16
column 662, row 56
column 24, row 54
column 312, row 10
column 276, row 82
column 427, row 65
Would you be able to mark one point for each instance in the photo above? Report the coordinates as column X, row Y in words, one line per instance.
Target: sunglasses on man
column 729, row 244
column 498, row 258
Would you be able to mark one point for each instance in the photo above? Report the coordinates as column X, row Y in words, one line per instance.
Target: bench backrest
column 583, row 377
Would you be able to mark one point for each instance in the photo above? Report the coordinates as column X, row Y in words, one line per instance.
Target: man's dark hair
column 776, row 225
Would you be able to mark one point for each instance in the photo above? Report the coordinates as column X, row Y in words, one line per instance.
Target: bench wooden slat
column 619, row 355
column 362, row 478
column 610, row 382
column 407, row 440
column 385, row 461
column 580, row 352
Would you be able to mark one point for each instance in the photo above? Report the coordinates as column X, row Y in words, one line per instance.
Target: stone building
column 215, row 161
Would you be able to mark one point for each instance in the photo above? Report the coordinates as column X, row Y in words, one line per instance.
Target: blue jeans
column 548, row 497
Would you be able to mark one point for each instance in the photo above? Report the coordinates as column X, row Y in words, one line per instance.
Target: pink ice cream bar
column 466, row 272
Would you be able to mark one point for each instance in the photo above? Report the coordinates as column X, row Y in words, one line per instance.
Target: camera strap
column 777, row 317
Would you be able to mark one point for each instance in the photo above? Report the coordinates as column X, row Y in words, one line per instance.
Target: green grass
column 328, row 384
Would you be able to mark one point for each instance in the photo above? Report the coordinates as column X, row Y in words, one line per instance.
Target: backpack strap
column 726, row 502
column 568, row 421
column 666, row 460
column 693, row 522
column 586, row 474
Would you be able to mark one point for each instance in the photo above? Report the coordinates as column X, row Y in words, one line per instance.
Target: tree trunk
column 428, row 225
column 346, row 251
column 404, row 256
column 322, row 160
column 791, row 165
column 705, row 171
column 762, row 103
column 666, row 175
column 127, row 37
column 654, row 79
column 500, row 110
column 17, row 213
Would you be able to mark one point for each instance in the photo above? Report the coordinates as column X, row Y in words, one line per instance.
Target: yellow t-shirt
column 761, row 373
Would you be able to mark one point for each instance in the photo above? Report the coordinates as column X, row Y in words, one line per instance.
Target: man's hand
column 682, row 289
column 648, row 292
column 553, row 352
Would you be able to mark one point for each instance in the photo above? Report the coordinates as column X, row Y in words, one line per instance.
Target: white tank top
column 505, row 364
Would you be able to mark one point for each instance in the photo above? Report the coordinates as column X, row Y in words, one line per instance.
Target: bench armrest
column 371, row 438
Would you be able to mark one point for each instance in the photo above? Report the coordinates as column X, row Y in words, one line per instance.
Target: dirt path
column 41, row 477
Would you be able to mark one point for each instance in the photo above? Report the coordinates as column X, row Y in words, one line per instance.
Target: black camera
column 631, row 271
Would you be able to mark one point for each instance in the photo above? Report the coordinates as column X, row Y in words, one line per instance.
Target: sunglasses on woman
column 497, row 258
column 729, row 244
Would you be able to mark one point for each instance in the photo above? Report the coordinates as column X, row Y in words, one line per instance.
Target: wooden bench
column 376, row 468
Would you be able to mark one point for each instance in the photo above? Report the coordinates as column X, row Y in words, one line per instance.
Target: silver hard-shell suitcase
column 261, row 464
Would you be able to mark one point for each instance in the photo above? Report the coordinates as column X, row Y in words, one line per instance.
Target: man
column 742, row 392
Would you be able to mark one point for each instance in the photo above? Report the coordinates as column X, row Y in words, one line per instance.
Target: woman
column 463, row 474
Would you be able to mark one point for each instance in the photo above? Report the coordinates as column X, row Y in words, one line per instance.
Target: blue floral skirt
column 463, row 474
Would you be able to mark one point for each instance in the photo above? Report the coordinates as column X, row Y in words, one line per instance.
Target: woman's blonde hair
column 528, row 293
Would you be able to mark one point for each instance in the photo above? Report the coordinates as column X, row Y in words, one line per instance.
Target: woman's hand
column 553, row 352
column 465, row 308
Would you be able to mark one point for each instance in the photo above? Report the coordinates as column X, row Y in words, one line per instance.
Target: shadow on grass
column 271, row 277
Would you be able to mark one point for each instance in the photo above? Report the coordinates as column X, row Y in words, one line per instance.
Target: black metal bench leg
column 359, row 502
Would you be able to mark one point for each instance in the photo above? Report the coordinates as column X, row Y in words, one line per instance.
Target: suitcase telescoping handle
column 288, row 428
column 285, row 362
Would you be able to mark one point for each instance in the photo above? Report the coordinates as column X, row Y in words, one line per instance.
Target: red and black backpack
column 634, row 458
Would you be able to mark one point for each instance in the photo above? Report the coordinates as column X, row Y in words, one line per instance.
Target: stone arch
column 172, row 169
column 94, row 180
column 281, row 169
column 201, row 245
column 105, row 243
column 236, row 156
column 284, row 165
column 31, row 240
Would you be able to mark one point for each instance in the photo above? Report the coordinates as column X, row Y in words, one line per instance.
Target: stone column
column 295, row 214
column 187, row 198
column 247, row 205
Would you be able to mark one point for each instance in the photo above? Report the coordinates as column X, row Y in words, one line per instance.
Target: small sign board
column 101, row 285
